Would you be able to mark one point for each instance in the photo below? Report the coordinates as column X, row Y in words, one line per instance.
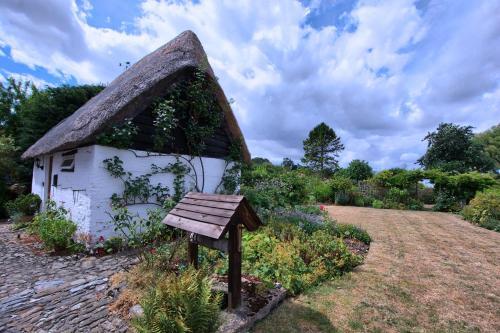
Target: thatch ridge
column 131, row 93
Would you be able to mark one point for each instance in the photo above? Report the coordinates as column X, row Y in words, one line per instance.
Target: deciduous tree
column 451, row 148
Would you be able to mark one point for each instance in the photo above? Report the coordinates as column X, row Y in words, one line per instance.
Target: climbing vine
column 191, row 108
column 165, row 123
column 120, row 136
column 231, row 177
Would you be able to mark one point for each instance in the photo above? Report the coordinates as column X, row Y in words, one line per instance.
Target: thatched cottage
column 68, row 161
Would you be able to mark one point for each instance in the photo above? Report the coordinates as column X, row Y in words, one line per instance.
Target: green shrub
column 396, row 195
column 340, row 184
column 359, row 201
column 309, row 209
column 27, row 204
column 446, row 202
column 53, row 228
column 322, row 192
column 484, row 209
column 113, row 244
column 415, row 204
column 299, row 253
column 377, row 204
column 342, row 198
column 352, row 231
column 180, row 303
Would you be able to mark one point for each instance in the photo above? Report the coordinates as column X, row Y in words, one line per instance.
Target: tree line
column 450, row 148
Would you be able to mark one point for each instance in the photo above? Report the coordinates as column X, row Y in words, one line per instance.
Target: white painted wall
column 86, row 192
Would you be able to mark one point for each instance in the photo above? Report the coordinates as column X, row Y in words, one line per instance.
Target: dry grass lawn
column 425, row 272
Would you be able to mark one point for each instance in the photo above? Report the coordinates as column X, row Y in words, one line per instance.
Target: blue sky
column 381, row 73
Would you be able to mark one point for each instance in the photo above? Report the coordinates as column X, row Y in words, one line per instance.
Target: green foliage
column 288, row 164
column 299, row 252
column 183, row 303
column 415, row 204
column 260, row 160
column 140, row 231
column 398, row 178
column 26, row 114
column 27, row 204
column 352, row 231
column 451, row 148
column 197, row 110
column 462, row 186
column 490, row 143
column 13, row 95
column 119, row 136
column 43, row 109
column 54, row 228
column 267, row 186
column 359, row 170
column 377, row 204
column 113, row 244
column 139, row 190
column 342, row 198
column 231, row 178
column 484, row 209
column 165, row 123
column 342, row 189
column 359, row 201
column 340, row 184
column 179, row 170
column 446, row 202
column 321, row 149
column 319, row 190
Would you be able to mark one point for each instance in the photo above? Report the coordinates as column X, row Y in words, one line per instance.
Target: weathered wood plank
column 217, row 244
column 215, row 197
column 206, row 210
column 206, row 229
column 234, row 271
column 211, row 204
column 202, row 217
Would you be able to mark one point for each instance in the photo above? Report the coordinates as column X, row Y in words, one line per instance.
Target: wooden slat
column 217, row 244
column 206, row 210
column 202, row 217
column 215, row 197
column 212, row 204
column 206, row 229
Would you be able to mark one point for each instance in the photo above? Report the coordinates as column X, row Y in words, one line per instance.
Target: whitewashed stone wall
column 86, row 192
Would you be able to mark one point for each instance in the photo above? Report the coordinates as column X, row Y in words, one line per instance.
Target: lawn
column 426, row 272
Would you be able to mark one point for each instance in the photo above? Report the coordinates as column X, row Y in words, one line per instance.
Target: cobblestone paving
column 41, row 293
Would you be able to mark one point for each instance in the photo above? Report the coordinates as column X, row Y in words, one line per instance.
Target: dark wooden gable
column 211, row 214
column 217, row 146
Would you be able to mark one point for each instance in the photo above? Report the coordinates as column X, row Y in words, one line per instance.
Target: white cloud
column 381, row 86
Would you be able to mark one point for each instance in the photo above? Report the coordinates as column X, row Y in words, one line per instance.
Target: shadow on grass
column 293, row 317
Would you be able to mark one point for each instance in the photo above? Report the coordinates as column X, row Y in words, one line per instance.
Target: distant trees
column 452, row 148
column 358, row 170
column 260, row 160
column 321, row 149
column 288, row 164
column 490, row 141
column 26, row 114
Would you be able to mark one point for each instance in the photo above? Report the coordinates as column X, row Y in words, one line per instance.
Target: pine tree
column 321, row 149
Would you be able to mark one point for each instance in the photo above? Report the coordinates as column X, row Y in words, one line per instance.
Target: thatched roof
column 131, row 93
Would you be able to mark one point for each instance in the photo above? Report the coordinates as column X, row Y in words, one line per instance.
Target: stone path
column 41, row 293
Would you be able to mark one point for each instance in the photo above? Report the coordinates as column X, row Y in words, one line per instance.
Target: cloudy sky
column 381, row 73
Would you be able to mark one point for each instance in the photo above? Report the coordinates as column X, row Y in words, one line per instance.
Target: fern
column 180, row 304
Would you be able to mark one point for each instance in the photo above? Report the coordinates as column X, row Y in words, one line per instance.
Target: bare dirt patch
column 425, row 272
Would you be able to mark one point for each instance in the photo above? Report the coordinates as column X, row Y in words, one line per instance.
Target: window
column 68, row 164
